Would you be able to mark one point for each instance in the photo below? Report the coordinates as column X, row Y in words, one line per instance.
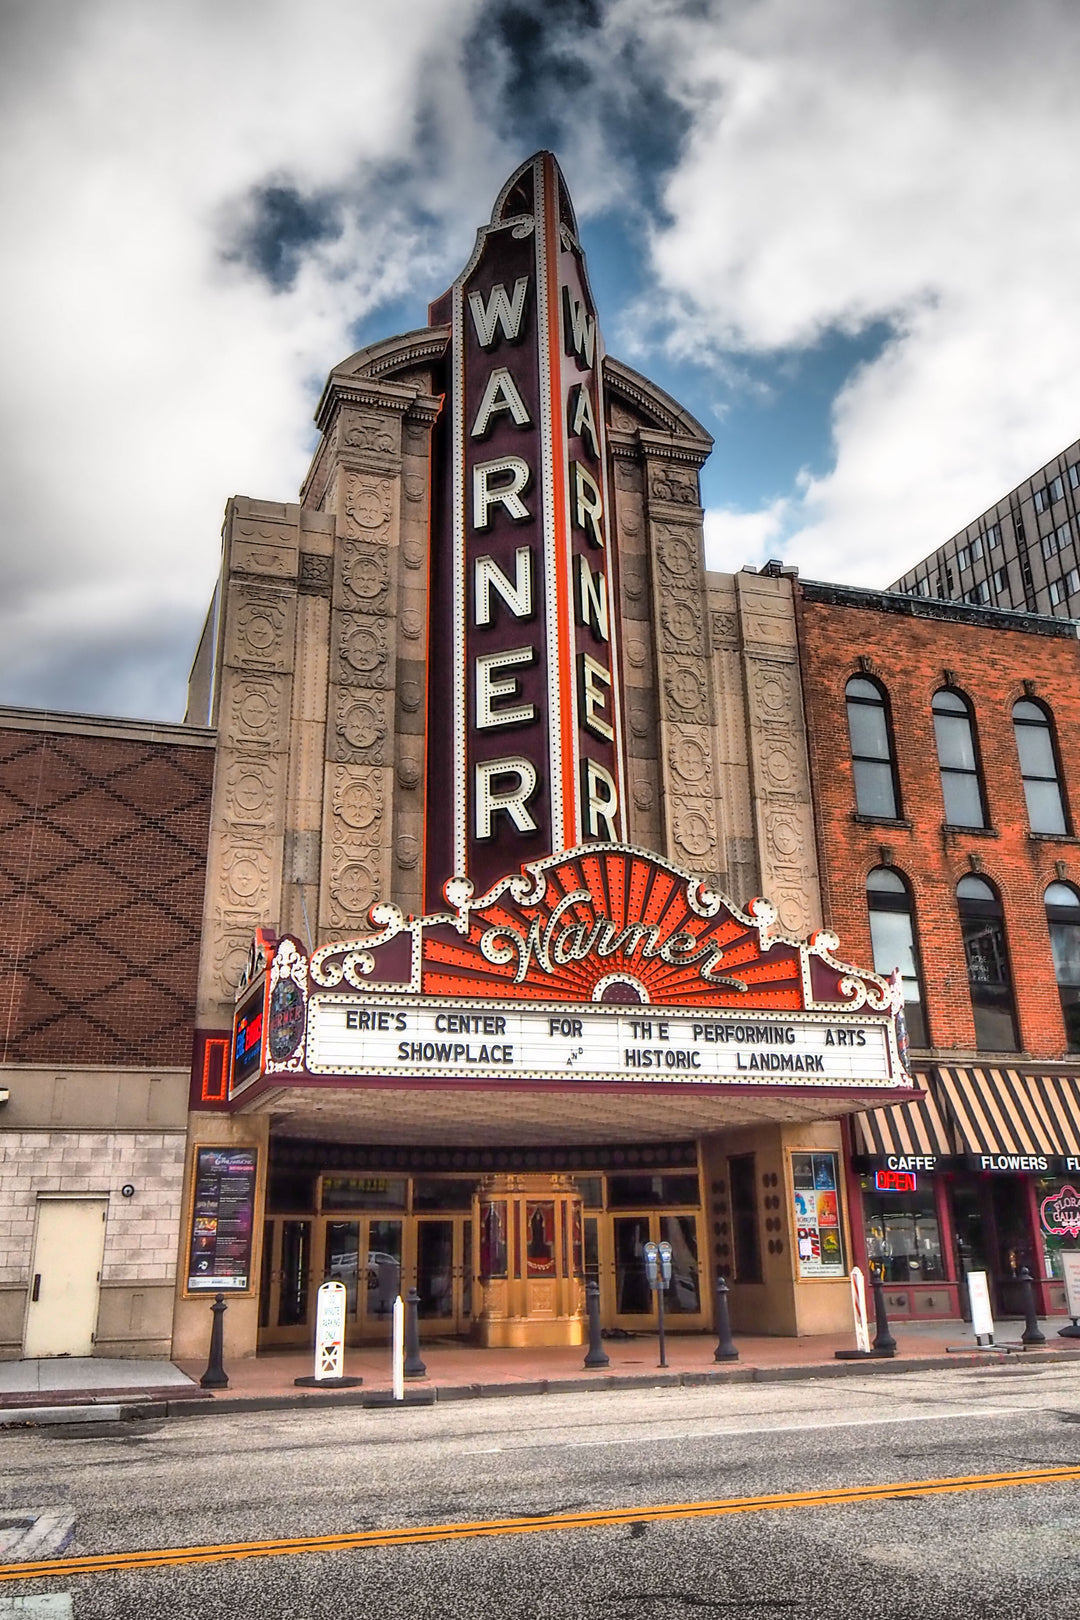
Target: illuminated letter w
column 500, row 310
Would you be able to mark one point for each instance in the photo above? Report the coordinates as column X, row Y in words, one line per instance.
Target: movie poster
column 223, row 1212
column 816, row 1204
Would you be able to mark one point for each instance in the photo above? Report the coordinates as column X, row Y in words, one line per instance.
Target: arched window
column 1039, row 767
column 1063, row 917
column 871, row 749
column 892, row 934
column 954, row 730
column 982, row 923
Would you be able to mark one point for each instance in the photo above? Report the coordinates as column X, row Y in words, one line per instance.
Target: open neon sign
column 898, row 1181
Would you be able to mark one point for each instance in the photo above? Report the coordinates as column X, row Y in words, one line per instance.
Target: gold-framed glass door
column 627, row 1301
column 442, row 1245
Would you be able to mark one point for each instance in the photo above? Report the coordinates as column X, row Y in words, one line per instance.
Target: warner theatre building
column 500, row 769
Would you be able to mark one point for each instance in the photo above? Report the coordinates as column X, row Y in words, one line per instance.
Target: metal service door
column 69, row 1246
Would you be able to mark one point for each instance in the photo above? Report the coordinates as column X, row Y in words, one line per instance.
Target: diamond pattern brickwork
column 102, row 868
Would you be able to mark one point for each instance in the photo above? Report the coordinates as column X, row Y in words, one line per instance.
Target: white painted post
column 858, row 1305
column 399, row 1349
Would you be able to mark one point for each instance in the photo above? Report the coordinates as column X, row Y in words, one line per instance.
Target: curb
column 161, row 1405
column 381, row 1399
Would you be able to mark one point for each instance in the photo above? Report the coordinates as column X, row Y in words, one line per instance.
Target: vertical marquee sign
column 524, row 715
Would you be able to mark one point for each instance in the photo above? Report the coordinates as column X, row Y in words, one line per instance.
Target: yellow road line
column 593, row 1519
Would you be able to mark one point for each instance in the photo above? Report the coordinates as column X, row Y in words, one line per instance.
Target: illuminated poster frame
column 220, row 1226
column 817, row 1214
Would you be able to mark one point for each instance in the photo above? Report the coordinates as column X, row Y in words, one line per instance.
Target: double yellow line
column 594, row 1519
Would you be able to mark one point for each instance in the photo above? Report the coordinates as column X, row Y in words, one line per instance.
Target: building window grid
column 1063, row 920
column 982, row 926
column 1040, row 769
column 873, row 755
column 958, row 760
column 894, row 943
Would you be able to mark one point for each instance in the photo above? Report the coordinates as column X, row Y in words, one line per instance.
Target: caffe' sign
column 524, row 721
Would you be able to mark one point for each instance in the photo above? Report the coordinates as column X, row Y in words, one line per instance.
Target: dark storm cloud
column 279, row 226
column 570, row 75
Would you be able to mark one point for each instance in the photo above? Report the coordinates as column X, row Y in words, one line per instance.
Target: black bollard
column 1033, row 1333
column 725, row 1344
column 414, row 1367
column 215, row 1376
column 597, row 1356
column 884, row 1343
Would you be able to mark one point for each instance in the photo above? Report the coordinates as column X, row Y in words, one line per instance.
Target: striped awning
column 1003, row 1111
column 915, row 1127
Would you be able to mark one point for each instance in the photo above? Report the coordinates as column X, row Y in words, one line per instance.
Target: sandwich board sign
column 330, row 1331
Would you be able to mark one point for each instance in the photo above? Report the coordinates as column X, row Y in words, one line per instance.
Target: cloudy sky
column 844, row 232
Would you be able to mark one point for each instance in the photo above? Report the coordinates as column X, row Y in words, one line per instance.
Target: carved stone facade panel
column 368, row 505
column 365, row 576
column 251, row 792
column 374, row 433
column 254, row 710
column 687, row 694
column 677, row 548
column 360, row 726
column 316, row 574
column 634, row 583
column 682, row 622
column 779, row 769
column 673, row 485
column 411, row 687
column 694, row 832
column 363, row 650
column 259, row 627
column 358, row 806
column 261, row 546
column 640, row 704
column 690, row 759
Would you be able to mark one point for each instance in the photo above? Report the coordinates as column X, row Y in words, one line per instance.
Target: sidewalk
column 43, row 1391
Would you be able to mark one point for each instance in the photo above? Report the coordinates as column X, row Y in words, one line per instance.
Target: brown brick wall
column 909, row 656
column 102, row 866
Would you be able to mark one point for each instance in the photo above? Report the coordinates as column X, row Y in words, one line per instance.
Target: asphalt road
column 1009, row 1550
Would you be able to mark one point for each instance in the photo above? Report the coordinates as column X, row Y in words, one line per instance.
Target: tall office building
column 1023, row 553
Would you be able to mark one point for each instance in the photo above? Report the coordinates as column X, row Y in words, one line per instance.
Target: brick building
column 947, row 846
column 102, row 861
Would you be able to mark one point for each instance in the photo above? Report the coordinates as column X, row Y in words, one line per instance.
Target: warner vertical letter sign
column 524, row 726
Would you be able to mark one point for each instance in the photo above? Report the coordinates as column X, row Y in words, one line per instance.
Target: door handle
column 36, row 1290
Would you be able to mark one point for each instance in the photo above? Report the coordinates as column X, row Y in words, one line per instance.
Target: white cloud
column 145, row 378
column 734, row 538
column 901, row 161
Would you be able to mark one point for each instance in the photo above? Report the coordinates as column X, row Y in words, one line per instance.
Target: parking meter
column 652, row 1265
column 658, row 1275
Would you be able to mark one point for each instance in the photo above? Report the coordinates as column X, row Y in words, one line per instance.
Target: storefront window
column 903, row 1240
column 1059, row 1220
